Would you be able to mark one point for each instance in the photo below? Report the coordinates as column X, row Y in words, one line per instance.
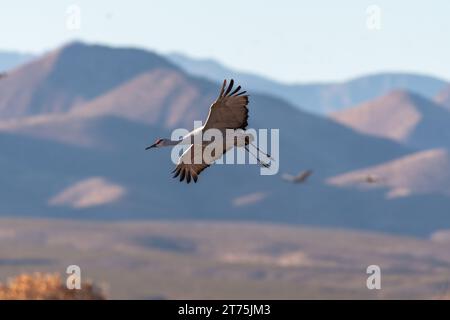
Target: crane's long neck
column 169, row 142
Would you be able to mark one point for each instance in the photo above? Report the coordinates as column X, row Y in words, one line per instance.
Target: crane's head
column 158, row 143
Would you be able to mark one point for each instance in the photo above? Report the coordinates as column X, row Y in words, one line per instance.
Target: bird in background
column 228, row 111
column 300, row 178
column 371, row 179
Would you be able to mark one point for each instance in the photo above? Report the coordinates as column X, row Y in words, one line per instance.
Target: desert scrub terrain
column 205, row 260
column 45, row 286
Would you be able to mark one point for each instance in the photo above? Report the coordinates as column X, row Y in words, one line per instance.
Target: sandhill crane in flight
column 229, row 111
column 300, row 178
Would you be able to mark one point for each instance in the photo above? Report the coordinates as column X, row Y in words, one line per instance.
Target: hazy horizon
column 227, row 66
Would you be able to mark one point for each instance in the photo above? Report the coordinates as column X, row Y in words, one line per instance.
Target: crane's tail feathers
column 261, row 163
column 265, row 154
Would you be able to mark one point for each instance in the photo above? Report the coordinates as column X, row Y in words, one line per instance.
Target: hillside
column 68, row 76
column 426, row 172
column 402, row 116
column 444, row 97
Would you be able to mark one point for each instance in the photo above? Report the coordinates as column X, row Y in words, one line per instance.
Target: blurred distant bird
column 300, row 178
column 371, row 179
column 229, row 111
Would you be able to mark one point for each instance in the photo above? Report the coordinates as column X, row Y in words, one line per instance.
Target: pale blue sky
column 287, row 40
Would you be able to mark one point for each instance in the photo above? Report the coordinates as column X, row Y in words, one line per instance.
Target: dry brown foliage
column 39, row 286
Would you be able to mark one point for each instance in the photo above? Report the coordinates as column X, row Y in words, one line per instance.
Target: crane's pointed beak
column 152, row 146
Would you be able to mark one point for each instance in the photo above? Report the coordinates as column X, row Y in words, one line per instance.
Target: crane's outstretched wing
column 194, row 160
column 229, row 111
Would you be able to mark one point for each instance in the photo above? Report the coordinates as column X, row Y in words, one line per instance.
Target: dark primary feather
column 189, row 171
column 229, row 87
column 235, row 90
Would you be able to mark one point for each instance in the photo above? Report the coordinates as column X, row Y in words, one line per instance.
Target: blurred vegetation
column 40, row 286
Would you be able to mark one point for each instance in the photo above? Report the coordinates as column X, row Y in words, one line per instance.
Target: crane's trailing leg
column 261, row 163
column 266, row 154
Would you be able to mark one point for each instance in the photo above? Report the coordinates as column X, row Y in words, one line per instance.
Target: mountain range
column 319, row 98
column 74, row 123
